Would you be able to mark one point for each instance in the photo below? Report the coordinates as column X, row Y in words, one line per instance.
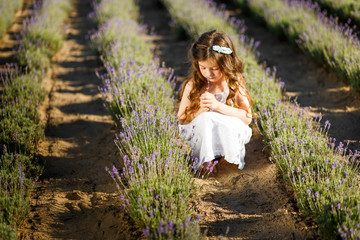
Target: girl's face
column 210, row 69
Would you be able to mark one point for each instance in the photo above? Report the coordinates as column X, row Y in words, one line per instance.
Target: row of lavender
column 318, row 35
column 19, row 119
column 8, row 10
column 155, row 182
column 324, row 176
column 345, row 10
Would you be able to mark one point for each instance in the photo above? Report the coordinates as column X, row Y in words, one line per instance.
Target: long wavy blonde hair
column 229, row 64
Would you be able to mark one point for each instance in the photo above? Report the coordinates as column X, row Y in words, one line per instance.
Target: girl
column 215, row 107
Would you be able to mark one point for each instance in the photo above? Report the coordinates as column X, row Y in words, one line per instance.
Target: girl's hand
column 208, row 102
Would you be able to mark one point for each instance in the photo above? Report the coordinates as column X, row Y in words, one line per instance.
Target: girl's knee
column 205, row 116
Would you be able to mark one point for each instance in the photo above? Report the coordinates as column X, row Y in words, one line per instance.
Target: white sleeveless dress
column 211, row 135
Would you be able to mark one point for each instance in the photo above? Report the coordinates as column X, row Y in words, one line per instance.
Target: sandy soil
column 76, row 199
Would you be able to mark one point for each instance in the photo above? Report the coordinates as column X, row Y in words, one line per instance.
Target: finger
column 207, row 94
column 207, row 102
column 208, row 106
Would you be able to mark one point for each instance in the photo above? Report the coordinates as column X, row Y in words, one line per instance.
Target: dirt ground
column 76, row 199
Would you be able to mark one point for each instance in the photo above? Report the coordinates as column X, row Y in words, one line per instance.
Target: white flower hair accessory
column 224, row 50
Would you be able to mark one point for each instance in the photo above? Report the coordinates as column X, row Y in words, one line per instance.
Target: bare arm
column 185, row 102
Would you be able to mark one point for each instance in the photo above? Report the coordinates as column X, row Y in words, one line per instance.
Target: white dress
column 211, row 135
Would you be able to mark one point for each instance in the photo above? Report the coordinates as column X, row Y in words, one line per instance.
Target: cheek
column 202, row 72
column 218, row 74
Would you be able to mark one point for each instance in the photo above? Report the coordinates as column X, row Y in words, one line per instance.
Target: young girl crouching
column 215, row 106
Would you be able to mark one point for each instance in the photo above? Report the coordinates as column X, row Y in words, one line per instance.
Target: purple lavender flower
column 146, row 232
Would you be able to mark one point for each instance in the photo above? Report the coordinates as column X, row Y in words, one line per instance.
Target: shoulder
column 241, row 97
column 241, row 86
column 189, row 83
column 240, row 94
column 188, row 86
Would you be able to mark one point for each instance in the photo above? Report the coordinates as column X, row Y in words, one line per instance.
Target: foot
column 222, row 161
column 209, row 167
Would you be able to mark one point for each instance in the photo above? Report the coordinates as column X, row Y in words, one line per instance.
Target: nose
column 209, row 73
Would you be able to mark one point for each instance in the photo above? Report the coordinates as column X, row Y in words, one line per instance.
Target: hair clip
column 224, row 50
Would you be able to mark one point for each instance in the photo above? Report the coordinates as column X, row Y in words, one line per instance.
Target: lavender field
column 90, row 147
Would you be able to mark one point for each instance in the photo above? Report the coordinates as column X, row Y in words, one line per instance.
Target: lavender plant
column 8, row 10
column 156, row 182
column 15, row 187
column 324, row 176
column 121, row 40
column 42, row 36
column 135, row 87
column 7, row 232
column 19, row 122
column 317, row 34
column 19, row 119
column 19, row 135
column 112, row 9
column 347, row 11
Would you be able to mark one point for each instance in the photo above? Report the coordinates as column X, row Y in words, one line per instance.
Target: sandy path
column 253, row 203
column 75, row 198
column 312, row 84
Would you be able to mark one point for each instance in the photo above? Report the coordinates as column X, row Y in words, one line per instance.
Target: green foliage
column 156, row 184
column 15, row 186
column 20, row 131
column 51, row 39
column 34, row 58
column 43, row 35
column 8, row 10
column 344, row 9
column 125, row 10
column 146, row 84
column 19, row 119
column 322, row 38
column 22, row 88
column 7, row 232
column 124, row 39
column 324, row 177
